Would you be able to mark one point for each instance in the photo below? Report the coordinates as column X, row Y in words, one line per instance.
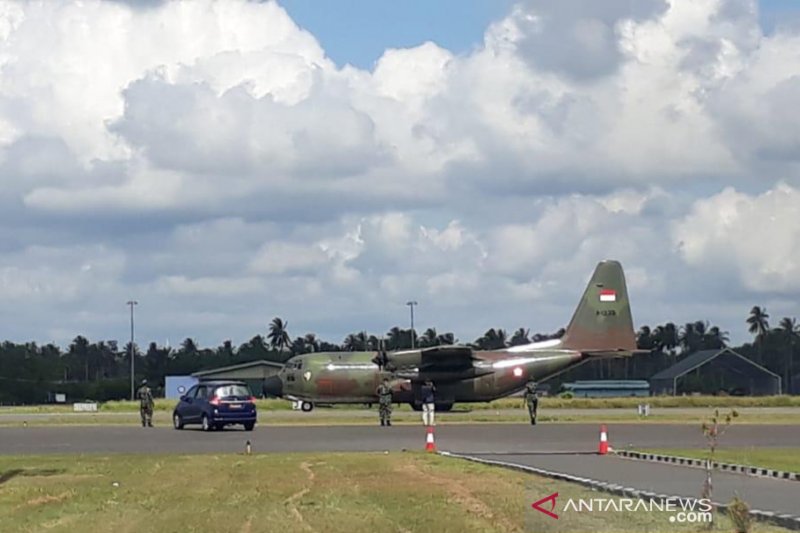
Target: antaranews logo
column 681, row 510
column 552, row 499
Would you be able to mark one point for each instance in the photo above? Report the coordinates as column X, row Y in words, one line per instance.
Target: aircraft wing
column 446, row 359
column 442, row 364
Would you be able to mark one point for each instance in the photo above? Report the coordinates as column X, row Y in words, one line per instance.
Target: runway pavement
column 564, row 448
column 775, row 495
column 465, row 438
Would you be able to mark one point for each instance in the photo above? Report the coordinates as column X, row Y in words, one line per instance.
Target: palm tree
column 351, row 343
column 670, row 338
column 429, row 338
column 520, row 337
column 759, row 326
column 311, row 342
column 363, row 340
column 493, row 339
column 687, row 338
column 395, row 339
column 79, row 349
column 790, row 332
column 446, row 339
column 298, row 346
column 502, row 337
column 374, row 343
column 716, row 339
column 644, row 338
column 188, row 346
column 226, row 351
column 278, row 335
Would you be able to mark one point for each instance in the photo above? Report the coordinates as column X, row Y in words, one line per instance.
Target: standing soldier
column 145, row 404
column 531, row 400
column 385, row 402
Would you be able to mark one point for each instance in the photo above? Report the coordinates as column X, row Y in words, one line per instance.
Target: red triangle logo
column 552, row 500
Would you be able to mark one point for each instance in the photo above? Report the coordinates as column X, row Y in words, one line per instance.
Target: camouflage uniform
column 145, row 404
column 531, row 400
column 385, row 404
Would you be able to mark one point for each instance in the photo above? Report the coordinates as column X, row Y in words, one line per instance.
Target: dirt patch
column 49, row 498
column 459, row 493
column 292, row 500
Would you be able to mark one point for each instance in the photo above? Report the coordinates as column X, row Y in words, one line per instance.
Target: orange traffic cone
column 430, row 445
column 603, row 448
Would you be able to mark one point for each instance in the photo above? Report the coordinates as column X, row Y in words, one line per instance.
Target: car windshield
column 228, row 391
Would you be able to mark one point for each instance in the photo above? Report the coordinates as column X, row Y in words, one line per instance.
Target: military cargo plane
column 602, row 326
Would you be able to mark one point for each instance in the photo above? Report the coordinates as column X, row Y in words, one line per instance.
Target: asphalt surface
column 463, row 438
column 12, row 415
column 564, row 448
column 776, row 495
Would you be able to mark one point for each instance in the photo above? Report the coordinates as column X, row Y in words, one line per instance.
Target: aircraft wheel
column 416, row 406
column 444, row 407
column 306, row 407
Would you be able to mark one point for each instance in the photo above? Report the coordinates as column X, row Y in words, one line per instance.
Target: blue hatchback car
column 215, row 404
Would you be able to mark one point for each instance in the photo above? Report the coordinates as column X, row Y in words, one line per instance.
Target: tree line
column 101, row 370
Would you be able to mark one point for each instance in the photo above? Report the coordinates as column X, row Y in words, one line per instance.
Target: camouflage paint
column 602, row 326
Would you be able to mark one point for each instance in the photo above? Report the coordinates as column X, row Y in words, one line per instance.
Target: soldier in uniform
column 531, row 400
column 145, row 396
column 385, row 403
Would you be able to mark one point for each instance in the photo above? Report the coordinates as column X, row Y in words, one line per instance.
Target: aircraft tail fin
column 602, row 324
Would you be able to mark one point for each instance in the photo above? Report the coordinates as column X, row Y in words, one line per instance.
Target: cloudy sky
column 224, row 163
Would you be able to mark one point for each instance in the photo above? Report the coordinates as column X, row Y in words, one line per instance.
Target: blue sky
column 368, row 27
column 255, row 179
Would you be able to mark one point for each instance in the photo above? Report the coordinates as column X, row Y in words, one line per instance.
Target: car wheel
column 177, row 421
column 219, row 427
column 306, row 407
column 206, row 423
column 248, row 426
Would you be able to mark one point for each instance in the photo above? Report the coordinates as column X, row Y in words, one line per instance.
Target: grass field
column 351, row 493
column 504, row 403
column 360, row 415
column 774, row 458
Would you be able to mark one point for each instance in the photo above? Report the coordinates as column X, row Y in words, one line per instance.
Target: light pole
column 131, row 303
column 411, row 304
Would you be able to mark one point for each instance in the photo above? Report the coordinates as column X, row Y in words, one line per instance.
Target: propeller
column 381, row 359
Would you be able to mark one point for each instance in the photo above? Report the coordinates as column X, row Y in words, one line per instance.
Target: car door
column 200, row 403
column 188, row 409
column 184, row 408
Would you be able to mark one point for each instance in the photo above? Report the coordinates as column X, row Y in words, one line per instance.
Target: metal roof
column 608, row 384
column 698, row 359
column 251, row 364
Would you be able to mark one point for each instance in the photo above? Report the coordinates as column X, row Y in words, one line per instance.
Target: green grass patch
column 292, row 492
column 503, row 403
column 355, row 415
column 773, row 458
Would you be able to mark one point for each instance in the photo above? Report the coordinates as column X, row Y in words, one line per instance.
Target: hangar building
column 715, row 371
column 252, row 373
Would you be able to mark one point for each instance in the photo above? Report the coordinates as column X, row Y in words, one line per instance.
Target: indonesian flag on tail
column 608, row 295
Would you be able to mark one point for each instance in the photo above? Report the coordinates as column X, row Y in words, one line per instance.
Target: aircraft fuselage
column 353, row 377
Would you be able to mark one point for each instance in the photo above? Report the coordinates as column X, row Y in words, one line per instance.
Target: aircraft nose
column 272, row 386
